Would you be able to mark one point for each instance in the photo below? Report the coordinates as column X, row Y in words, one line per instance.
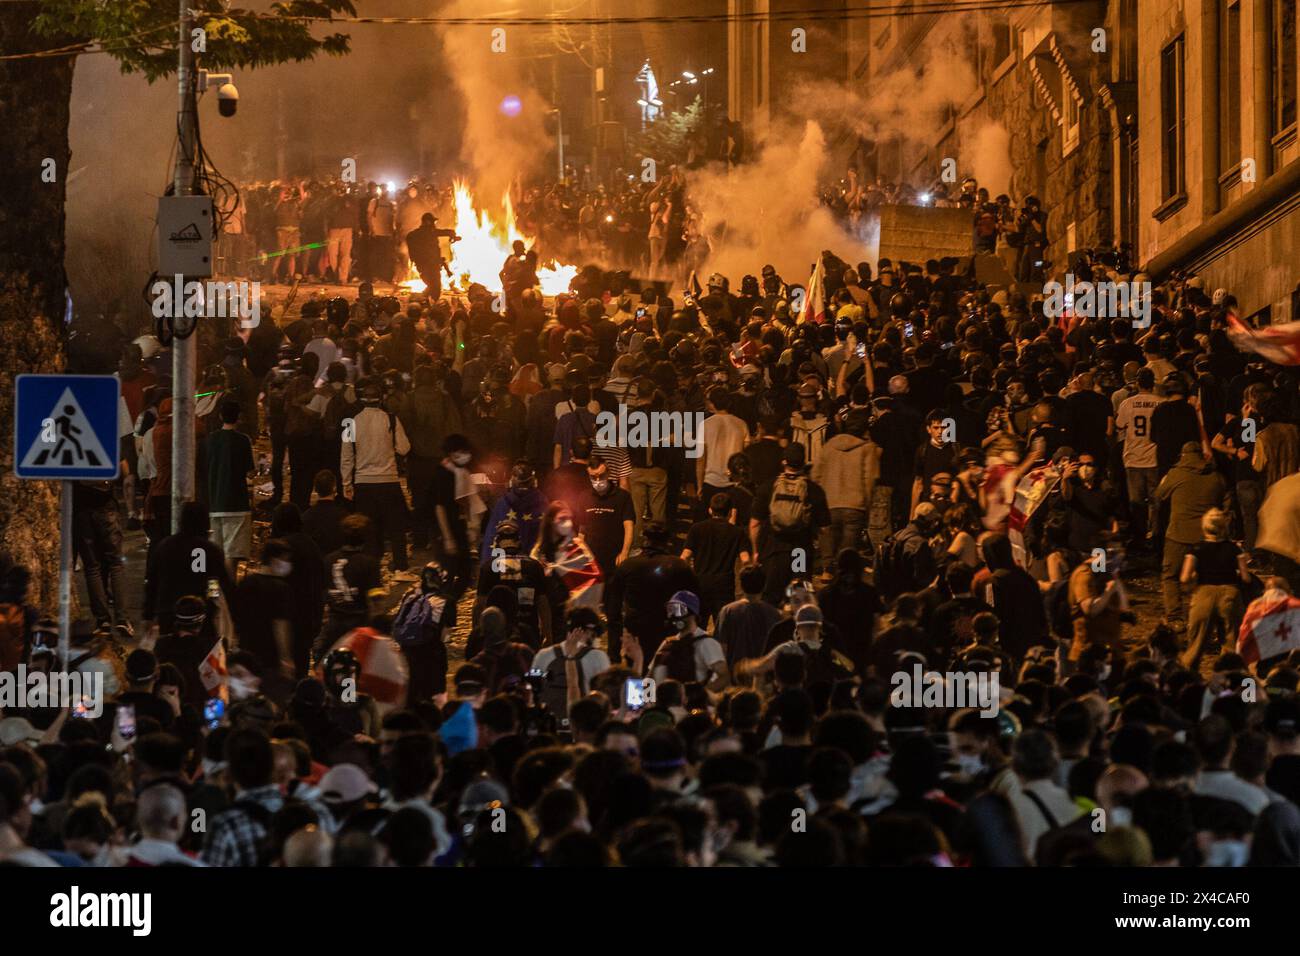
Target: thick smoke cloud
column 495, row 147
column 768, row 212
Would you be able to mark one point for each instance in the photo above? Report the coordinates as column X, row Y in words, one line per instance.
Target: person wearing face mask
column 573, row 578
column 979, row 762
column 262, row 609
column 607, row 518
column 690, row 654
column 1091, row 510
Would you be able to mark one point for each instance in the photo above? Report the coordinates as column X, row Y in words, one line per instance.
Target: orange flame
column 484, row 245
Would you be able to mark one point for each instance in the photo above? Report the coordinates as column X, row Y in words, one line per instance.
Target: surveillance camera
column 227, row 99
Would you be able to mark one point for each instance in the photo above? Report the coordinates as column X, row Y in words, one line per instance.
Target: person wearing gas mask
column 523, row 575
column 496, row 419
column 808, row 425
column 370, row 479
column 348, row 708
column 690, row 655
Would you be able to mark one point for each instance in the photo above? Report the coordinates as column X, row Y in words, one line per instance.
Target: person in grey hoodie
column 1192, row 487
column 847, row 470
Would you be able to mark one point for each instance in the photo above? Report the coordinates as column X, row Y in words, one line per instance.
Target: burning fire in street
column 483, row 247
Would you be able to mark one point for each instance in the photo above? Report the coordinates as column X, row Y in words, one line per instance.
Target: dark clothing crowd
column 616, row 579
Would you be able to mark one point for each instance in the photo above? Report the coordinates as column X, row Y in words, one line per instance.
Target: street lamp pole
column 182, row 489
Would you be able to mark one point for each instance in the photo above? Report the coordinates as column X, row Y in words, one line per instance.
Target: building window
column 1069, row 120
column 1003, row 45
column 1229, row 88
column 1284, row 65
column 1172, row 116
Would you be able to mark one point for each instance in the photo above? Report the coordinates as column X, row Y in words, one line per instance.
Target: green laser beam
column 289, row 252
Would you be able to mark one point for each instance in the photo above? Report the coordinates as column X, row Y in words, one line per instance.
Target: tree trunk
column 34, row 110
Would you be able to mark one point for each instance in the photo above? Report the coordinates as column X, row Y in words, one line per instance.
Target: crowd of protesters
column 685, row 651
column 348, row 232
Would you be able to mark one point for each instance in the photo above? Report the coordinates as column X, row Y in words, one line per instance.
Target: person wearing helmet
column 809, row 427
column 423, row 617
column 512, row 567
column 690, row 654
column 423, row 242
column 348, row 709
column 523, row 503
column 496, row 418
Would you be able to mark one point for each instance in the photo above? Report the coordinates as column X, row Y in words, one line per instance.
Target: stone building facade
column 1219, row 180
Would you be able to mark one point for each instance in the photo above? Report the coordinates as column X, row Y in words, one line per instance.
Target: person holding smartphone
column 570, row 665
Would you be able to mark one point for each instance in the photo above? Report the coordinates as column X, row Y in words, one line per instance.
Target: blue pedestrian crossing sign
column 66, row 426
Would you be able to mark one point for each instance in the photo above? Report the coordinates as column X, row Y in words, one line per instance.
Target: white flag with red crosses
column 1271, row 627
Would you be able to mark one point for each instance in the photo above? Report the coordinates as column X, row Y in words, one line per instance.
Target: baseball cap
column 345, row 783
column 808, row 614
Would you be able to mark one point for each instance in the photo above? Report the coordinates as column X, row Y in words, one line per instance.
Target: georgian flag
column 213, row 673
column 814, row 300
column 1277, row 343
column 1271, row 627
column 1032, row 491
column 577, row 568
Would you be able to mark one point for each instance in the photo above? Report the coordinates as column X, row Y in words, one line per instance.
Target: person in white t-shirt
column 1133, row 425
column 705, row 663
column 724, row 435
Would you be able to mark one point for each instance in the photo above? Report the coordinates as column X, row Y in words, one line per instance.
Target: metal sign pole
column 65, row 575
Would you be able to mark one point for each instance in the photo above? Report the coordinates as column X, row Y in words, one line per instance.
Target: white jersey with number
column 1134, row 425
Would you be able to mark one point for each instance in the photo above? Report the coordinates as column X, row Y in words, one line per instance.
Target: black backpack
column 819, row 663
column 896, row 567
